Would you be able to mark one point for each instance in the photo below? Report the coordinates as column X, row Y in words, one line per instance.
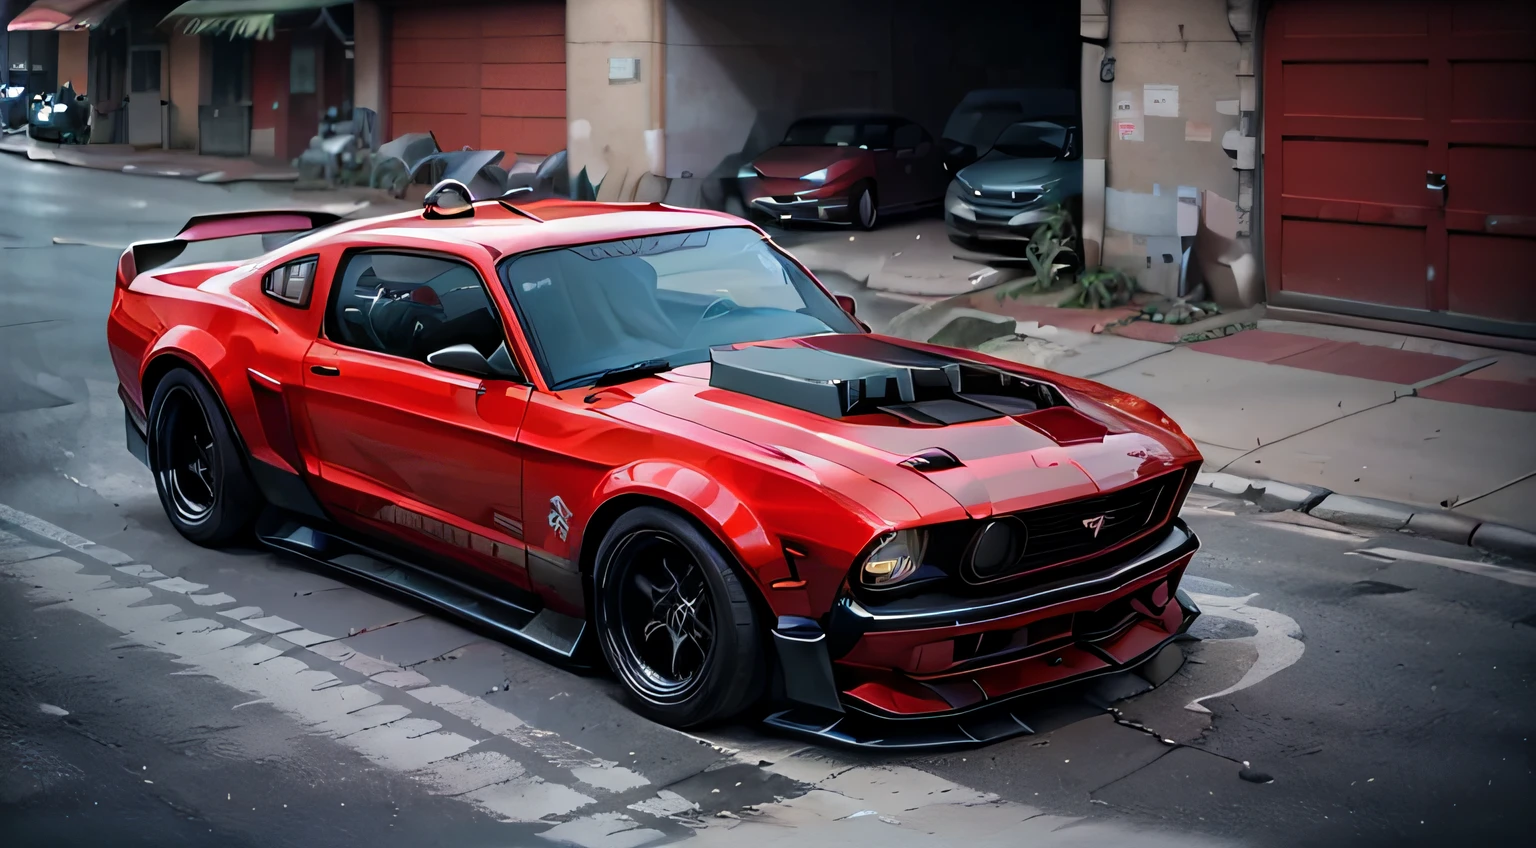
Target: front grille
column 1069, row 532
column 994, row 196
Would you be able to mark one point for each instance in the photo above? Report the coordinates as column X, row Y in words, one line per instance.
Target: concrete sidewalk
column 154, row 162
column 1440, row 426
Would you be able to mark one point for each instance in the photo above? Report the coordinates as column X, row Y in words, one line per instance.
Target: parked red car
column 846, row 169
column 650, row 435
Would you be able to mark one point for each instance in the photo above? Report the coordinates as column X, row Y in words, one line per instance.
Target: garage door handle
column 325, row 370
column 1436, row 183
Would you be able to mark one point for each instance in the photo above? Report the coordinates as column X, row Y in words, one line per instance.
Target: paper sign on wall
column 1128, row 130
column 1160, row 100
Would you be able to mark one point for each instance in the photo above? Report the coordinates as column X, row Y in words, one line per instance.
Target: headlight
column 816, row 176
column 896, row 559
column 747, row 172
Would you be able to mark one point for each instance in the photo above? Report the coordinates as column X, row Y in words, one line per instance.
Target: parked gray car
column 1014, row 153
column 1006, row 193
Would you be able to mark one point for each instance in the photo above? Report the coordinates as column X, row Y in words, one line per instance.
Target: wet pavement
column 155, row 693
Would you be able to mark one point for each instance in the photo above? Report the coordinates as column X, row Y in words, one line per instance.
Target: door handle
column 325, row 370
column 1436, row 183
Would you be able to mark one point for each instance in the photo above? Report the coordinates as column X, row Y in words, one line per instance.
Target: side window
column 909, row 136
column 291, row 283
column 412, row 306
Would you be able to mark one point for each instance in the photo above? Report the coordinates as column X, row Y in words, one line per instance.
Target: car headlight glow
column 894, row 560
column 747, row 172
column 816, row 176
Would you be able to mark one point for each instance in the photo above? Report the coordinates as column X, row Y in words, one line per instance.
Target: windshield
column 1032, row 140
column 978, row 126
column 832, row 132
column 599, row 307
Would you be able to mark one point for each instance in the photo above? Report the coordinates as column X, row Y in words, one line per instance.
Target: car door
column 892, row 183
column 419, row 453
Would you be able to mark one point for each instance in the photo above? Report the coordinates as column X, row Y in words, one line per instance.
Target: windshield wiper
column 634, row 370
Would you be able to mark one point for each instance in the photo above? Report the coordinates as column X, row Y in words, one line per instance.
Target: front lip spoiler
column 993, row 721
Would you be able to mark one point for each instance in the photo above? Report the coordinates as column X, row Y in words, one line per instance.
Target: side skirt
column 543, row 629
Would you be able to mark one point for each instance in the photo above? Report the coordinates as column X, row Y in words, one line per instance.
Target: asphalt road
column 155, row 693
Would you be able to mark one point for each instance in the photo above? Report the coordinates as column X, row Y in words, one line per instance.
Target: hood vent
column 856, row 374
column 932, row 459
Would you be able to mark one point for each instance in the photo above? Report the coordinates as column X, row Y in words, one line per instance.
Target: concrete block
column 1278, row 496
column 1229, row 483
column 1367, row 511
column 1450, row 526
column 1168, row 661
column 1503, row 539
column 969, row 328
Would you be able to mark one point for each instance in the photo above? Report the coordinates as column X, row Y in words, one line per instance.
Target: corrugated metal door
column 1400, row 160
column 489, row 75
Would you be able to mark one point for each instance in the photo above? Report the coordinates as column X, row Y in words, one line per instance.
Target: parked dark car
column 845, row 169
column 1016, row 154
column 64, row 117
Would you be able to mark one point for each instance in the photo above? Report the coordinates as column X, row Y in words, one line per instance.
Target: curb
column 1273, row 496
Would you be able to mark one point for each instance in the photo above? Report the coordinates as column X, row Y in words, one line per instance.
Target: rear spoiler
column 147, row 255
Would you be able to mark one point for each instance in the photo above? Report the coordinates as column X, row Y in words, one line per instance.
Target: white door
column 145, row 91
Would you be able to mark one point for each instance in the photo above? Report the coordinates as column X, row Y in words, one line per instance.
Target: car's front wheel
column 676, row 624
column 197, row 464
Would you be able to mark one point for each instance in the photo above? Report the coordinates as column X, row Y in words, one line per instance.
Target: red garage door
column 490, row 75
column 1367, row 107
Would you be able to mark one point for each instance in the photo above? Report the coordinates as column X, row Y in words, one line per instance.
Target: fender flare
column 703, row 498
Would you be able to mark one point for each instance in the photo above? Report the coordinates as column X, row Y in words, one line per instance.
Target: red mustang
column 651, row 430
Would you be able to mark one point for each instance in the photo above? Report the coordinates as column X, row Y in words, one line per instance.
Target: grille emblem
column 1095, row 524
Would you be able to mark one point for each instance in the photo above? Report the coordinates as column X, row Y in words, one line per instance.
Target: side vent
column 932, row 459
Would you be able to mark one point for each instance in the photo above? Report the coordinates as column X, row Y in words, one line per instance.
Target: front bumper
column 954, row 675
column 800, row 208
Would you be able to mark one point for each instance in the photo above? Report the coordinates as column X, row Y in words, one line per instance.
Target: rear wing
column 147, row 255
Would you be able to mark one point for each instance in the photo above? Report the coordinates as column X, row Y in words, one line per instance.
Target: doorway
column 146, row 96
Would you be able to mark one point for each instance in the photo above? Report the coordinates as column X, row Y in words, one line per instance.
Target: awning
column 244, row 18
column 63, row 15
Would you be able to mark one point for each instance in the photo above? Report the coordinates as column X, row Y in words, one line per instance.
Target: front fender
column 710, row 502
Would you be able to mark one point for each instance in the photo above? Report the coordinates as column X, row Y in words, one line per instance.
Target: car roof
column 556, row 223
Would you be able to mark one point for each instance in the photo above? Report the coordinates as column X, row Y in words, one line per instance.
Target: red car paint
column 399, row 451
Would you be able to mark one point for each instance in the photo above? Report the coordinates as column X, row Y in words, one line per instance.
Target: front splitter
column 1000, row 719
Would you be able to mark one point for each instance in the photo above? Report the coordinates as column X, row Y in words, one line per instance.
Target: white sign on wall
column 623, row 70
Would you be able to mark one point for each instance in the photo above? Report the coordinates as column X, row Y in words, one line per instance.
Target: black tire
column 863, row 216
column 198, row 465
column 705, row 683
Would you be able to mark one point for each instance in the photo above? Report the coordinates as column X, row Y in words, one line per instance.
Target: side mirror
column 461, row 359
column 848, row 304
column 465, row 359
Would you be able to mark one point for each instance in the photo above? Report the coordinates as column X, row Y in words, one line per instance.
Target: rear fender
column 198, row 349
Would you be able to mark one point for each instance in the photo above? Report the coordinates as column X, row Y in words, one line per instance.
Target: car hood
column 795, row 162
column 1008, row 463
column 1005, row 173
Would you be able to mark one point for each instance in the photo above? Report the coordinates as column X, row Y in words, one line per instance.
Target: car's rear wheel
column 675, row 623
column 864, row 206
column 199, row 471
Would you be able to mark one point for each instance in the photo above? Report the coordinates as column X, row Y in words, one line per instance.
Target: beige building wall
column 616, row 127
column 189, row 71
column 75, row 60
column 1173, row 101
column 370, row 61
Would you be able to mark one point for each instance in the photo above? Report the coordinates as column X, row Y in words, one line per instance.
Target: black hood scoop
column 855, row 374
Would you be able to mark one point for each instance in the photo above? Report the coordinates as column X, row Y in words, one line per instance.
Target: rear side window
column 412, row 306
column 291, row 283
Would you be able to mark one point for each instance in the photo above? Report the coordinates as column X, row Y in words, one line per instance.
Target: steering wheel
column 719, row 306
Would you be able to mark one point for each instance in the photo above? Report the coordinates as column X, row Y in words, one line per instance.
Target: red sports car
column 649, row 432
column 846, row 169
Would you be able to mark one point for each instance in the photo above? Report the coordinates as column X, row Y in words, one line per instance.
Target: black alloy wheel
column 197, row 464
column 676, row 625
